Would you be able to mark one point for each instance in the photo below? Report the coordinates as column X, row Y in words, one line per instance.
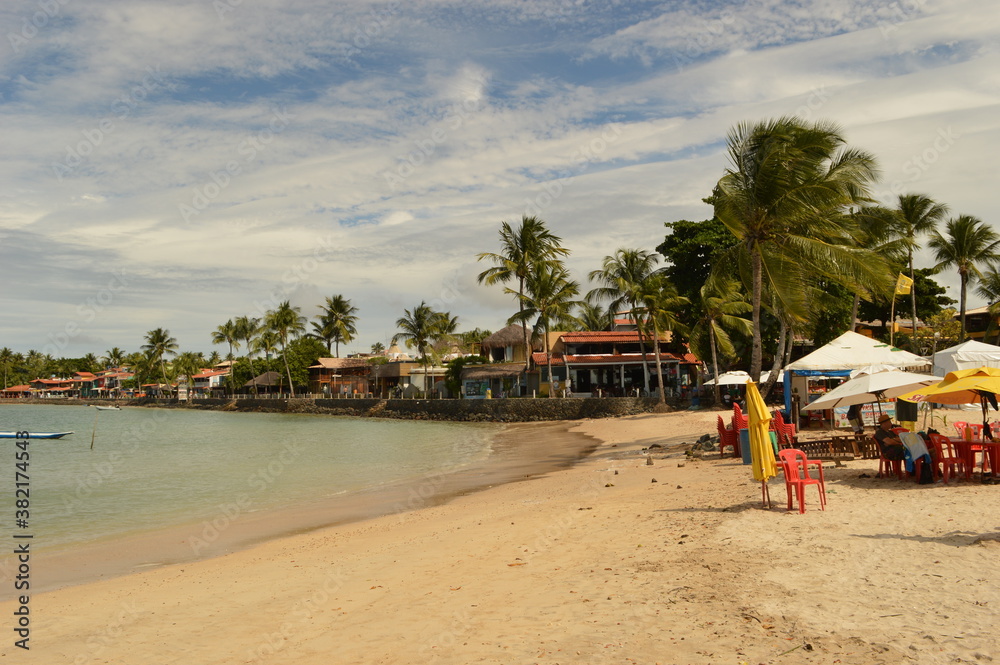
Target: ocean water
column 153, row 468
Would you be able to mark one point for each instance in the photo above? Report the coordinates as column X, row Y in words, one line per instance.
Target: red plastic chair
column 728, row 439
column 786, row 431
column 887, row 466
column 943, row 453
column 739, row 420
column 795, row 466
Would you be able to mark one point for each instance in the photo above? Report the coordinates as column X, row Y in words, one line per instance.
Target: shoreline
column 514, row 457
column 612, row 559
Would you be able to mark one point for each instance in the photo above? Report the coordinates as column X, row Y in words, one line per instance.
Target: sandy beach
column 612, row 560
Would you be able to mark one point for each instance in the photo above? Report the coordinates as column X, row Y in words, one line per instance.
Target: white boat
column 107, row 408
column 34, row 435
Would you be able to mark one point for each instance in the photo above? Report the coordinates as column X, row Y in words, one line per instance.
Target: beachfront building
column 340, row 377
column 210, row 381
column 613, row 363
column 16, row 392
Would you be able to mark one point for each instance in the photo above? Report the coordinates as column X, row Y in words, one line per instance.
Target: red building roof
column 607, row 337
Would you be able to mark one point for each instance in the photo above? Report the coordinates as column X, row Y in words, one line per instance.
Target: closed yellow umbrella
column 761, row 452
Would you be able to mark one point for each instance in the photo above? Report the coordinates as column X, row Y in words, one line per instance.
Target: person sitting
column 892, row 448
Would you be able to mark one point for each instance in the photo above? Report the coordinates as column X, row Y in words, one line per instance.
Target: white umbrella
column 737, row 378
column 872, row 388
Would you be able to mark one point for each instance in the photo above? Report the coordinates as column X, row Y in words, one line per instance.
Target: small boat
column 107, row 408
column 34, row 435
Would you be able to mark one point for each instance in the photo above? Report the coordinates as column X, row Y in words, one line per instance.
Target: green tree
column 158, row 344
column 916, row 215
column 593, row 316
column 337, row 324
column 657, row 311
column 113, row 357
column 378, row 348
column 6, row 363
column 524, row 251
column 690, row 251
column 989, row 290
column 549, row 297
column 228, row 333
column 186, row 365
column 287, row 323
column 417, row 328
column 784, row 198
column 721, row 302
column 453, row 375
column 969, row 244
column 247, row 329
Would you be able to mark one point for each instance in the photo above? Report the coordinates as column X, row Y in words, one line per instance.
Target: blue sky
column 175, row 164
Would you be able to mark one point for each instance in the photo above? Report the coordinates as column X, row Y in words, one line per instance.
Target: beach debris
column 610, row 485
column 653, row 480
column 649, row 461
column 679, row 487
column 616, row 472
column 680, row 464
column 655, row 445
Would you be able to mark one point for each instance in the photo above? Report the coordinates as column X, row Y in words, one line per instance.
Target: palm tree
column 916, row 215
column 337, row 323
column 657, row 308
column 187, row 364
column 6, row 362
column 228, row 333
column 550, row 295
column 286, row 321
column 969, row 244
column 784, row 198
column 113, row 357
column 247, row 329
column 594, row 317
column 378, row 348
column 721, row 303
column 623, row 278
column 989, row 290
column 158, row 344
column 266, row 342
column 529, row 248
column 417, row 328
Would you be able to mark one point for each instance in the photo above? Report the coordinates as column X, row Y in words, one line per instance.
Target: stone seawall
column 495, row 410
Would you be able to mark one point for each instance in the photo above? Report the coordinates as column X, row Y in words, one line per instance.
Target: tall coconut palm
column 247, row 329
column 113, row 357
column 228, row 333
column 657, row 309
column 524, row 250
column 158, row 344
column 989, row 290
column 785, row 197
column 287, row 322
column 6, row 363
column 593, row 316
column 186, row 365
column 623, row 277
column 337, row 324
column 721, row 302
column 378, row 348
column 916, row 215
column 417, row 328
column 550, row 297
column 969, row 244
column 267, row 342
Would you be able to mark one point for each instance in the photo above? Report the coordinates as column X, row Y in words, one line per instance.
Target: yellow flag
column 903, row 285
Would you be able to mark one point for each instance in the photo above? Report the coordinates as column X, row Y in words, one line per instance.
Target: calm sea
column 151, row 468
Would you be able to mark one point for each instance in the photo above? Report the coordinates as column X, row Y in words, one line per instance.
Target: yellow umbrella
column 761, row 451
column 964, row 386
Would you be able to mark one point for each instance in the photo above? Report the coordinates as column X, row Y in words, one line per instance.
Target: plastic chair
column 739, row 420
column 887, row 466
column 796, row 469
column 943, row 454
column 786, row 431
column 728, row 438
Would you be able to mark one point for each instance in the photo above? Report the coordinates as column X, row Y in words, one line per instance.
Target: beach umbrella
column 872, row 388
column 736, row 378
column 964, row 386
column 761, row 452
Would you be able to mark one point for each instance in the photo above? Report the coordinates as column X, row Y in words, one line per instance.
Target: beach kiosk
column 848, row 352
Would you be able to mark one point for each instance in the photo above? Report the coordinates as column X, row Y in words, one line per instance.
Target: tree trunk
column 778, row 356
column 854, row 312
column 659, row 368
column 913, row 303
column 288, row 371
column 755, row 356
column 963, row 278
column 715, row 362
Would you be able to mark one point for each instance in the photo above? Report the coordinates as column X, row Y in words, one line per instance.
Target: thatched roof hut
column 512, row 335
